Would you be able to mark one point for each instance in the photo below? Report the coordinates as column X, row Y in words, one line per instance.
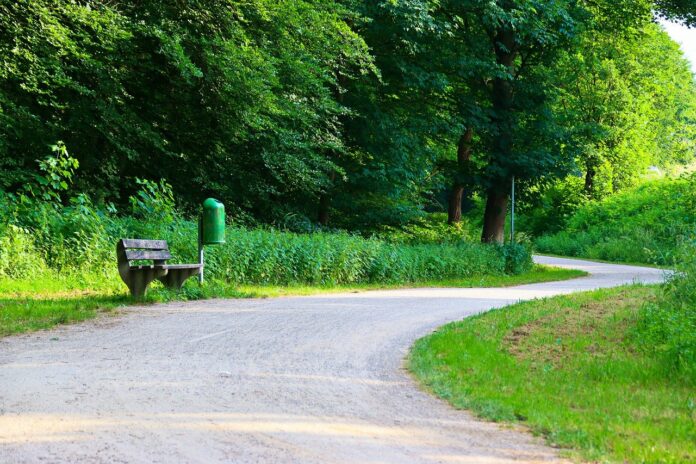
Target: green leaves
column 277, row 107
column 623, row 100
column 58, row 171
column 235, row 97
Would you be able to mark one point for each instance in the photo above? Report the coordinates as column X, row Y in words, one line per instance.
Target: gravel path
column 306, row 379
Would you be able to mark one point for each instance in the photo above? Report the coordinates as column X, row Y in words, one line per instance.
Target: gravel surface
column 305, row 379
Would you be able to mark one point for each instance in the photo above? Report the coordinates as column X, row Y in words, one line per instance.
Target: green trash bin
column 213, row 222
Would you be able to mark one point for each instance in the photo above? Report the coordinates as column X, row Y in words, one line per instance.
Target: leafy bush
column 642, row 225
column 75, row 237
column 518, row 258
column 668, row 326
column 268, row 256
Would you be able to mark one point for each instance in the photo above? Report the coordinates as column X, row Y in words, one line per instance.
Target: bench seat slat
column 166, row 266
column 148, row 254
column 145, row 244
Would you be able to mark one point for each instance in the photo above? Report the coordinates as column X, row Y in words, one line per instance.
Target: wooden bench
column 138, row 277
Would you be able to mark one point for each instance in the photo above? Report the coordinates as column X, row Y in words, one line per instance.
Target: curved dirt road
column 306, row 379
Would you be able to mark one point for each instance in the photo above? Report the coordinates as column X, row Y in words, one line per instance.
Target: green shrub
column 268, row 256
column 551, row 208
column 668, row 326
column 518, row 258
column 642, row 225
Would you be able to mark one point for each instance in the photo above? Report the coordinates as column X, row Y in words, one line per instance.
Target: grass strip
column 41, row 304
column 569, row 368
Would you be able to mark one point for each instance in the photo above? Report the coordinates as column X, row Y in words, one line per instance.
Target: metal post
column 200, row 249
column 512, row 217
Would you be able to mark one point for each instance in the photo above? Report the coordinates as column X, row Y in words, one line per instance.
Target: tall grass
column 42, row 238
column 642, row 225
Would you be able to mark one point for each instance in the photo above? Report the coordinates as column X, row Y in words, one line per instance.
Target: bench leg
column 175, row 278
column 138, row 281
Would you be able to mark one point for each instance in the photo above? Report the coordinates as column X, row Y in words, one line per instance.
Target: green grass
column 27, row 305
column 570, row 369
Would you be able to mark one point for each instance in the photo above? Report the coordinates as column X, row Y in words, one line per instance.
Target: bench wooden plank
column 160, row 255
column 182, row 266
column 145, row 244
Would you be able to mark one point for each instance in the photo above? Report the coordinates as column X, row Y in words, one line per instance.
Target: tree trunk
column 503, row 97
column 589, row 180
column 494, row 217
column 454, row 211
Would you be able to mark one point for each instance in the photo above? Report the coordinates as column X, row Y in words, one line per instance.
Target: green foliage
column 236, row 97
column 431, row 228
column 57, row 173
column 518, row 258
column 78, row 239
column 645, row 224
column 18, row 256
column 154, row 202
column 270, row 257
column 352, row 114
column 297, row 109
column 668, row 326
column 629, row 103
column 546, row 210
column 563, row 366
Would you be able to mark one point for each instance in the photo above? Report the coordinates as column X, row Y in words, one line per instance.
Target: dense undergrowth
column 645, row 224
column 44, row 237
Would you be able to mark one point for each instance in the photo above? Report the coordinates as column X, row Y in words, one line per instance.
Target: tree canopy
column 346, row 113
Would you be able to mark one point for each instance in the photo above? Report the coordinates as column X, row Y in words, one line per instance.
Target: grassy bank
column 646, row 224
column 27, row 305
column 575, row 369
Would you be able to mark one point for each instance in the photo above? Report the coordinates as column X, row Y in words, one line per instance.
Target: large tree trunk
column 503, row 99
column 454, row 211
column 494, row 217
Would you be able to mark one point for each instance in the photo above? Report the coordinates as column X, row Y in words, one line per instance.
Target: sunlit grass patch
column 568, row 367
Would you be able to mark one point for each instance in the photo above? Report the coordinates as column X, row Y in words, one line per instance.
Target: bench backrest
column 133, row 249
